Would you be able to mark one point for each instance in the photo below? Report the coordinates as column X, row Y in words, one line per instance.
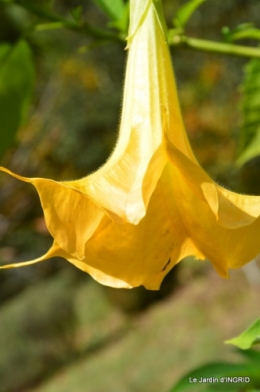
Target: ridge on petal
column 237, row 210
column 138, row 12
column 123, row 189
column 231, row 209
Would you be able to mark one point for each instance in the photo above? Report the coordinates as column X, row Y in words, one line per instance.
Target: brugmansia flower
column 151, row 204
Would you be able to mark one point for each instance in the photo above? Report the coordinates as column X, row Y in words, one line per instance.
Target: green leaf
column 252, row 150
column 51, row 3
column 185, row 12
column 121, row 24
column 252, row 355
column 252, row 33
column 248, row 338
column 77, row 13
column 16, row 82
column 242, row 31
column 112, row 8
column 4, row 49
column 249, row 135
column 216, row 375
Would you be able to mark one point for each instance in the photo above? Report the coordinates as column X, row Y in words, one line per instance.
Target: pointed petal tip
column 222, row 270
column 23, row 263
column 25, row 179
column 52, row 252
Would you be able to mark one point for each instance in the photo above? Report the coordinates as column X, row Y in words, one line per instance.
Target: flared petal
column 224, row 226
column 115, row 255
column 71, row 218
column 139, row 254
column 231, row 209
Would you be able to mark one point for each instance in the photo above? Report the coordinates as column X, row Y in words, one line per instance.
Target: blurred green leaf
column 185, row 12
column 113, row 9
column 245, row 30
column 16, row 82
column 252, row 150
column 51, row 3
column 77, row 13
column 248, row 338
column 122, row 23
column 242, row 31
column 251, row 33
column 193, row 381
column 249, row 136
column 4, row 49
column 49, row 26
column 252, row 355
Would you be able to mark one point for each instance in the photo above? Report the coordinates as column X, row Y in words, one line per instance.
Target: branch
column 183, row 41
column 83, row 27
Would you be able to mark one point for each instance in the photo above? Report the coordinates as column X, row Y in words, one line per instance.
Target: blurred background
column 59, row 330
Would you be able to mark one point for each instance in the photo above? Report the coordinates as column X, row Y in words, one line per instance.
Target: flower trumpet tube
column 151, row 204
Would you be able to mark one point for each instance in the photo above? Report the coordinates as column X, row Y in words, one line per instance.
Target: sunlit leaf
column 185, row 12
column 249, row 137
column 113, row 9
column 16, row 82
column 248, row 338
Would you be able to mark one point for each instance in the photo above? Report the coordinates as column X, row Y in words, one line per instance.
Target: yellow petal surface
column 130, row 255
column 231, row 209
column 226, row 242
column 133, row 255
column 71, row 218
column 136, row 254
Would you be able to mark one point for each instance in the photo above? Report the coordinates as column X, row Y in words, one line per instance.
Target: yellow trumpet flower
column 151, row 204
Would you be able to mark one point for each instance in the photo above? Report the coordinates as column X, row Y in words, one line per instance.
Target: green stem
column 213, row 47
